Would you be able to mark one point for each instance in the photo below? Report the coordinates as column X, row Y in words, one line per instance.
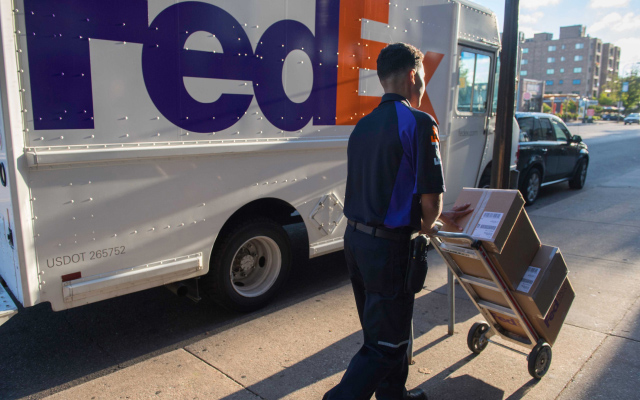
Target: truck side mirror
column 576, row 138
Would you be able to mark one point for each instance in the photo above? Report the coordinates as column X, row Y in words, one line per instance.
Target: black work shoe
column 415, row 394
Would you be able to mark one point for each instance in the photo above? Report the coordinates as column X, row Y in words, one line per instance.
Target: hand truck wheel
column 539, row 359
column 476, row 339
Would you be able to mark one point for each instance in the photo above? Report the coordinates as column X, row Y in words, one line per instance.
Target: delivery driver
column 394, row 188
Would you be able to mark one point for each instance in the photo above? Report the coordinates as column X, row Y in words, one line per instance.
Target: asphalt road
column 45, row 352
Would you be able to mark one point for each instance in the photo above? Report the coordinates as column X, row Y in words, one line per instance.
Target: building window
column 579, row 45
column 577, row 70
column 562, row 58
column 560, row 82
column 524, row 62
column 563, row 46
column 597, row 59
column 577, row 58
column 525, row 51
column 598, row 46
column 562, row 70
column 552, row 48
column 551, row 60
column 549, row 83
column 550, row 72
column 523, row 73
column 576, row 81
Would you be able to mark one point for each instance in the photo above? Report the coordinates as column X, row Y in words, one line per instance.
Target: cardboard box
column 518, row 251
column 541, row 283
column 547, row 327
column 539, row 288
column 494, row 214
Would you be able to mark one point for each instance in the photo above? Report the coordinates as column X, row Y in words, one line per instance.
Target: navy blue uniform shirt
column 393, row 158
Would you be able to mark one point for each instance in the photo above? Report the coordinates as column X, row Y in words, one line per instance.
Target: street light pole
column 506, row 97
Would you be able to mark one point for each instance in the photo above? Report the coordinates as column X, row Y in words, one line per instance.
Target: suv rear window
column 530, row 130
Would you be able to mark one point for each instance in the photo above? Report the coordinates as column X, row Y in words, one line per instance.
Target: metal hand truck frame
column 539, row 358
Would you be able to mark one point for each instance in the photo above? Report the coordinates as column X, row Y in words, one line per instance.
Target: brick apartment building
column 574, row 63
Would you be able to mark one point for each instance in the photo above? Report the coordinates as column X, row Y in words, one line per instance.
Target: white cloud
column 617, row 23
column 629, row 53
column 528, row 31
column 533, row 4
column 608, row 3
column 531, row 18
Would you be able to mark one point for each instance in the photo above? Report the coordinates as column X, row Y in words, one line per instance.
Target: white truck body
column 134, row 131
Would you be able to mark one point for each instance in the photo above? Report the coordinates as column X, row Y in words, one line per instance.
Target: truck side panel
column 140, row 127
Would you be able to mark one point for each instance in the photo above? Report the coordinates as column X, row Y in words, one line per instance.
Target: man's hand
column 451, row 217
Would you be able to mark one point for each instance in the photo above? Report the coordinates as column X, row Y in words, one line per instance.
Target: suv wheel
column 531, row 187
column 577, row 182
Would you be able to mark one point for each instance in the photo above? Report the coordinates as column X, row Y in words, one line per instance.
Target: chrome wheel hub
column 255, row 266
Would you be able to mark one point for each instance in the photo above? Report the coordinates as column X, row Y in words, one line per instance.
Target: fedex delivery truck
column 151, row 142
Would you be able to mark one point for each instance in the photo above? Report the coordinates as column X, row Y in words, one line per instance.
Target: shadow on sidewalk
column 334, row 359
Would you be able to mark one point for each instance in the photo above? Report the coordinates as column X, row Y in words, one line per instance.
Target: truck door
column 470, row 117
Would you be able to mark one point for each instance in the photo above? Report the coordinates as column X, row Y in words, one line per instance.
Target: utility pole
column 506, row 97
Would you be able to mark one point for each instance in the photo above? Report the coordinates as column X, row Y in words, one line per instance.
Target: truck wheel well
column 275, row 209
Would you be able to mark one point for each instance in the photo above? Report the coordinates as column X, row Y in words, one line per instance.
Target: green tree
column 631, row 97
column 546, row 108
column 569, row 106
column 610, row 93
column 605, row 100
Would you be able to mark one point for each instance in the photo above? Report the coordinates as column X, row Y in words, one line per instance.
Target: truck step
column 7, row 307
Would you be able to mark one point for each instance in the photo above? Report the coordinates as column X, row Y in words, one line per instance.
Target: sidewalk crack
column 225, row 374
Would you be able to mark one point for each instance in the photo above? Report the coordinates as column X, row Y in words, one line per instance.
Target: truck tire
column 577, row 182
column 250, row 265
column 531, row 186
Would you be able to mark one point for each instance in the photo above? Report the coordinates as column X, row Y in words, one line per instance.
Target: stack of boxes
column 535, row 274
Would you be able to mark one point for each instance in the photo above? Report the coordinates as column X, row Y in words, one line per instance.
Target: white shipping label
column 529, row 277
column 487, row 226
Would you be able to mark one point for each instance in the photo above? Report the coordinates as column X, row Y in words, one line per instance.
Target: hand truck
column 539, row 359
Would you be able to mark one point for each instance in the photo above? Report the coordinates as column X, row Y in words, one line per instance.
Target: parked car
column 548, row 153
column 633, row 118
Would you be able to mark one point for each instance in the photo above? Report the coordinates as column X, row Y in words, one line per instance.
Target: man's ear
column 412, row 76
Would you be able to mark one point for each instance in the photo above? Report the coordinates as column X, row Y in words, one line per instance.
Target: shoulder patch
column 434, row 135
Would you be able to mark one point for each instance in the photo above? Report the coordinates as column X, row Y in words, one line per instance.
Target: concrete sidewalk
column 301, row 351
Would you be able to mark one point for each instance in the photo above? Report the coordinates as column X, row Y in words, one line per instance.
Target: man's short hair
column 398, row 58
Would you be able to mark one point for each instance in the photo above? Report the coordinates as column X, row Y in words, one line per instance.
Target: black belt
column 379, row 232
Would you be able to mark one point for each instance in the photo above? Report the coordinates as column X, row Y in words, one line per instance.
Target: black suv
column 548, row 154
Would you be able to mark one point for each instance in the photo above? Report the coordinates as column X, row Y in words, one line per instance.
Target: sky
column 613, row 21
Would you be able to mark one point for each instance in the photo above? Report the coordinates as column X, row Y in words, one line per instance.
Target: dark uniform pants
column 377, row 268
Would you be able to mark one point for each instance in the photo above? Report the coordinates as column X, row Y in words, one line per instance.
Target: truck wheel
column 250, row 265
column 531, row 187
column 539, row 360
column 476, row 338
column 485, row 181
column 577, row 182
